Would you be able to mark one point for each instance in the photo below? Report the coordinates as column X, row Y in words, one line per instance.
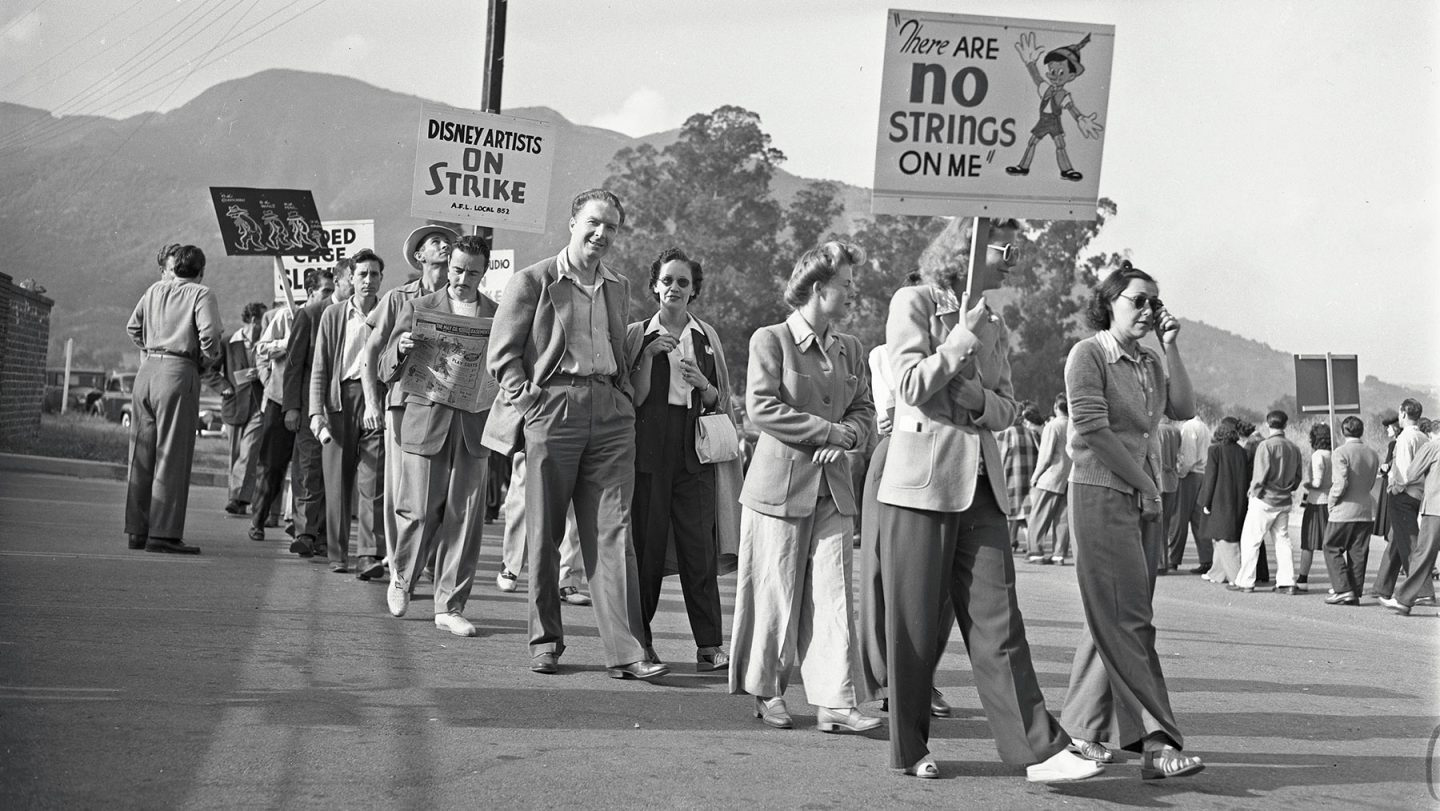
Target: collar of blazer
column 439, row 301
column 561, row 287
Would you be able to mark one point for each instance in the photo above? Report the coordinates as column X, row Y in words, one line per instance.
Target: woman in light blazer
column 942, row 516
column 808, row 393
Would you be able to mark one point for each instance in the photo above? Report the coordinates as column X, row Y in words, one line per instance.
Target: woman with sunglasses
column 1118, row 390
column 678, row 372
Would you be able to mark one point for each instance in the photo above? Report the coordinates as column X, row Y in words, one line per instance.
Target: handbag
column 716, row 439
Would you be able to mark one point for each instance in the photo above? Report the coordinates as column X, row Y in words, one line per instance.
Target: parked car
column 114, row 403
column 85, row 389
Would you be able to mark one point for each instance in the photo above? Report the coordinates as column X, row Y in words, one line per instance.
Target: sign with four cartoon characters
column 991, row 116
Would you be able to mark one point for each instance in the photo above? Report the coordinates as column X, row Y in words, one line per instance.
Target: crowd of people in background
column 604, row 469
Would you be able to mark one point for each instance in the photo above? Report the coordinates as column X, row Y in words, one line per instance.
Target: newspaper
column 447, row 363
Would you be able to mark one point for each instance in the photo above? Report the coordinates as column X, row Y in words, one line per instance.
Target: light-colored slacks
column 351, row 463
column 1226, row 565
column 165, row 407
column 245, row 454
column 512, row 544
column 1263, row 522
column 441, row 505
column 792, row 601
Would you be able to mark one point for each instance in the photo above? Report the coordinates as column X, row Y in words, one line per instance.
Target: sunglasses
column 672, row 281
column 1145, row 300
column 1007, row 251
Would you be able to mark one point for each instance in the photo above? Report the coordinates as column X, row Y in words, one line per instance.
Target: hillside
column 85, row 208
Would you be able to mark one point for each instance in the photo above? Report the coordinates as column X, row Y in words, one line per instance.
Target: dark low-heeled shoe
column 137, row 541
column 637, row 670
column 939, row 707
column 171, row 545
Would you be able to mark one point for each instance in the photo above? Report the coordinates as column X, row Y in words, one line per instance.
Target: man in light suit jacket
column 441, row 503
column 1352, row 512
column 557, row 351
column 354, row 456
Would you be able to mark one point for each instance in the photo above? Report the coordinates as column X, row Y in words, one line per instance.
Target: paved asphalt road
column 247, row 678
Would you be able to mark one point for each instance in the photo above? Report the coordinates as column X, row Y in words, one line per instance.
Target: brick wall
column 24, row 348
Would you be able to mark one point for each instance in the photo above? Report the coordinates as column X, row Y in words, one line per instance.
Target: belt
column 562, row 379
column 165, row 353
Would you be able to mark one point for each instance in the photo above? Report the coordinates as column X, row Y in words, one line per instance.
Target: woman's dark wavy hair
column 697, row 276
column 1098, row 311
column 1320, row 437
column 1226, row 431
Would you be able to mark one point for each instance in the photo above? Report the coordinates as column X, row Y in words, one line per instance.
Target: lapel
column 614, row 315
column 562, row 298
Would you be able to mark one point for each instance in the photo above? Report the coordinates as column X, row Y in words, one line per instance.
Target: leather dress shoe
column 170, row 545
column 708, row 659
column 849, row 720
column 370, row 568
column 1343, row 598
column 574, row 596
column 255, row 533
column 507, row 581
column 339, row 567
column 637, row 670
column 939, row 707
column 547, row 663
column 137, row 541
column 773, row 713
column 301, row 546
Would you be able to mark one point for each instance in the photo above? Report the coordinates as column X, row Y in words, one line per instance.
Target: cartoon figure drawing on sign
column 249, row 238
column 1062, row 66
column 274, row 230
column 301, row 235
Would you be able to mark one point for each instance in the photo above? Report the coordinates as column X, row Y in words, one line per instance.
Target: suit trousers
column 1116, row 683
column 352, row 463
column 441, row 506
column 393, row 419
column 165, row 405
column 1347, row 551
column 310, row 492
column 1188, row 519
column 245, row 455
column 1404, row 527
column 870, row 628
column 277, row 453
column 1049, row 519
column 929, row 558
column 792, row 601
column 675, row 503
column 580, row 448
column 1263, row 522
column 512, row 544
column 1417, row 582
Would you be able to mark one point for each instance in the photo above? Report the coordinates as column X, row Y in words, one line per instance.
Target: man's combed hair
column 367, row 255
column 602, row 195
column 473, row 245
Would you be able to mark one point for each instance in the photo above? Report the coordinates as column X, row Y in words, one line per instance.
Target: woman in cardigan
column 1316, row 516
column 1222, row 499
column 942, row 519
column 674, row 492
column 1118, row 390
column 808, row 393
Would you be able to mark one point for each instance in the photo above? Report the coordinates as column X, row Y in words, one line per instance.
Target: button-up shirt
column 1194, row 447
column 587, row 327
column 357, row 332
column 680, row 389
column 1407, row 445
column 178, row 317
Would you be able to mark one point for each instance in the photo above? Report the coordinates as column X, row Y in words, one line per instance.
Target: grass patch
column 95, row 439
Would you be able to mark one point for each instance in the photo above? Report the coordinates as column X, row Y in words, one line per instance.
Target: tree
column 893, row 245
column 708, row 193
column 815, row 208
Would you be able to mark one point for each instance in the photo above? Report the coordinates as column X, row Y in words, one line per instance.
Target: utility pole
column 494, row 73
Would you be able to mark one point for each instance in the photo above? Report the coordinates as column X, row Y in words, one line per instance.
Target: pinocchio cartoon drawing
column 1062, row 66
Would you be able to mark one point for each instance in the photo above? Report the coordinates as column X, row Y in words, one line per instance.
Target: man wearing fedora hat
column 427, row 249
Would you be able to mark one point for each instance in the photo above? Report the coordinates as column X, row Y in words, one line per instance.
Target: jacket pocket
column 768, row 480
column 911, row 463
column 796, row 389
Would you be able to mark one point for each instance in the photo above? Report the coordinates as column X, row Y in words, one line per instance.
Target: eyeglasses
column 1007, row 251
column 673, row 281
column 1145, row 300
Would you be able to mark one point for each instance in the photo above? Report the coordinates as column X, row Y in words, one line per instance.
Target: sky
column 1274, row 162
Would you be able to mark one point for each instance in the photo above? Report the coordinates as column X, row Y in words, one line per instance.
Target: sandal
column 1167, row 762
column 1091, row 750
column 924, row 768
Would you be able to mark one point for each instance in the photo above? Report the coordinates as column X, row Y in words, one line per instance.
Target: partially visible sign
column 482, row 168
column 267, row 222
column 1316, row 376
column 991, row 116
column 502, row 267
column 343, row 239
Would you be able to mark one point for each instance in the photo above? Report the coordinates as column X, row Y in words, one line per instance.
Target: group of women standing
column 936, row 509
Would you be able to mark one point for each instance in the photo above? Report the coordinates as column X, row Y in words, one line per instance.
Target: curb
column 84, row 469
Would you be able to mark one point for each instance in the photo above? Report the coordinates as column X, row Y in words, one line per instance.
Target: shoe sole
column 831, row 727
column 617, row 673
column 370, row 572
column 476, row 631
column 707, row 667
column 1156, row 774
column 776, row 723
column 547, row 670
column 1066, row 779
column 165, row 550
